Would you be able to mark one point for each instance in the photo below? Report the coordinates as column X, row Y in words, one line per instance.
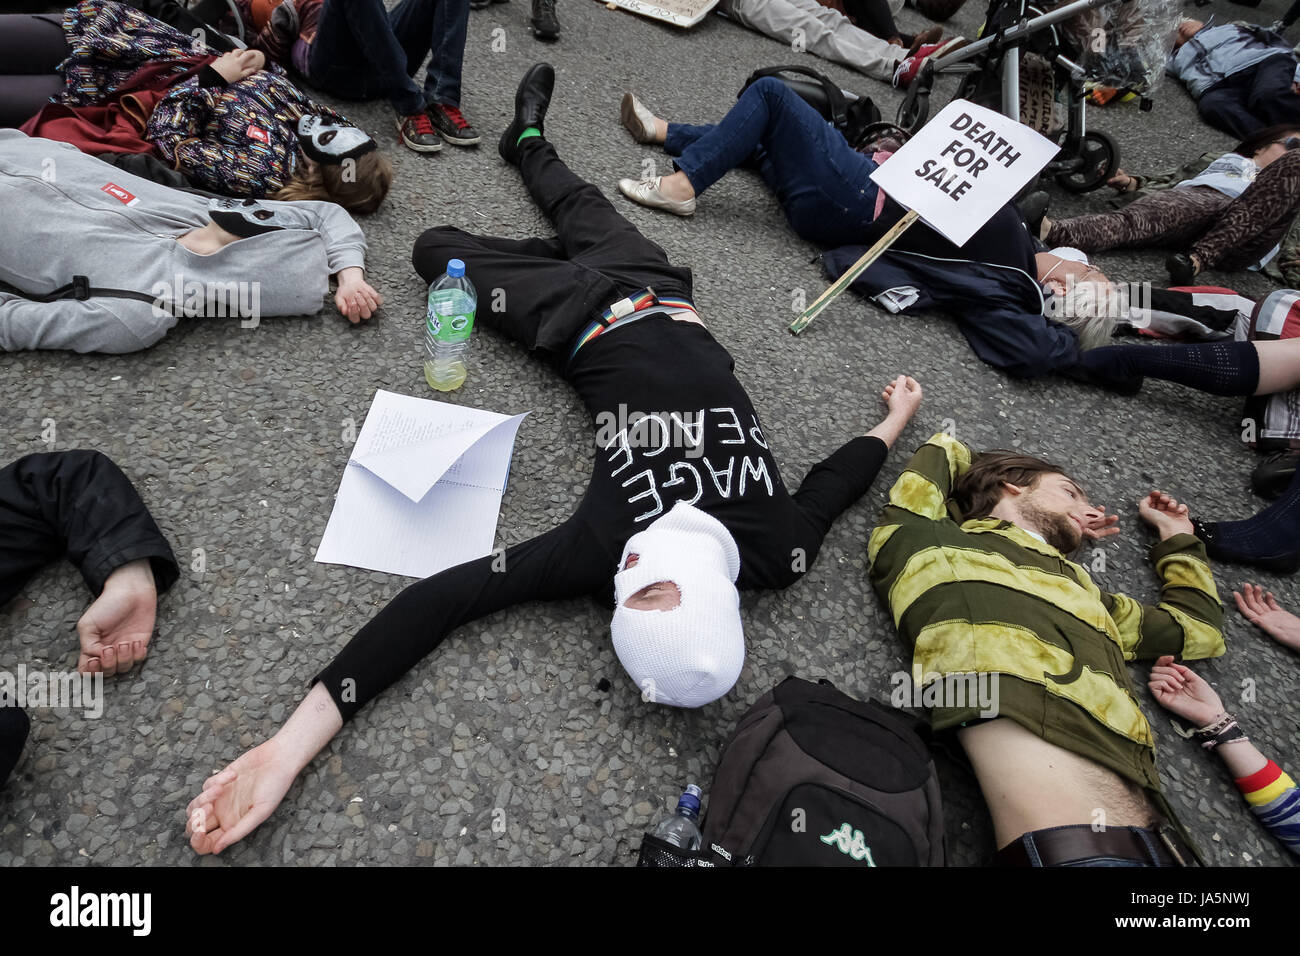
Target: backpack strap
column 81, row 290
column 835, row 101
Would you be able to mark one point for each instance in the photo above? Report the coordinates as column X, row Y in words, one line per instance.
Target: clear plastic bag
column 1125, row 45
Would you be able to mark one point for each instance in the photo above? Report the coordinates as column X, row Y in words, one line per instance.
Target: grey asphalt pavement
column 236, row 440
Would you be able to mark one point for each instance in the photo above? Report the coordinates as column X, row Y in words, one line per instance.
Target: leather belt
column 1060, row 845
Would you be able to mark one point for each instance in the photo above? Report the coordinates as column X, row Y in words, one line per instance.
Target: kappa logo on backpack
column 812, row 777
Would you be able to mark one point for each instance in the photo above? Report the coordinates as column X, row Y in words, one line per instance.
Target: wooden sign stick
column 855, row 270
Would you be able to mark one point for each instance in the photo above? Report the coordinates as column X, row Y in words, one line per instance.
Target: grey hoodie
column 64, row 213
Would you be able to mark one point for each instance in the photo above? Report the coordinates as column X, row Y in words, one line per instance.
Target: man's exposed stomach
column 1030, row 784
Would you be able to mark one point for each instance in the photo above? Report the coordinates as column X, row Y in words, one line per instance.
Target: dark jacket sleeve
column 999, row 308
column 833, row 485
column 551, row 566
column 78, row 503
column 14, row 726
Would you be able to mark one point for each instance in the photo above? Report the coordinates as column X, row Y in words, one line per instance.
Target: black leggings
column 554, row 287
column 31, row 48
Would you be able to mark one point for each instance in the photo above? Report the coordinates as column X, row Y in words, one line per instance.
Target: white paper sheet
column 422, row 490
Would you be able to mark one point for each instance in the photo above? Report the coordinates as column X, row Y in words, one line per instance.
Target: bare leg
column 1279, row 366
column 675, row 186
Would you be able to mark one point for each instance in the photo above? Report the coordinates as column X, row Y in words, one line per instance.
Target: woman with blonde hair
column 123, row 82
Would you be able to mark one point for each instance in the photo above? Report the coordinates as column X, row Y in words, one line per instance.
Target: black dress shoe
column 531, row 101
column 1182, row 270
column 1033, row 209
column 1274, row 474
column 545, row 24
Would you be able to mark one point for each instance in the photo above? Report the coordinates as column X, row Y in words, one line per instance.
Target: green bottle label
column 446, row 324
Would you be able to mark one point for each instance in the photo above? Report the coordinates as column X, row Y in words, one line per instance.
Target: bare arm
column 237, row 800
column 903, row 396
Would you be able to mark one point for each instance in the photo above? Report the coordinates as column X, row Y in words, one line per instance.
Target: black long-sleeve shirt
column 80, row 504
column 712, row 453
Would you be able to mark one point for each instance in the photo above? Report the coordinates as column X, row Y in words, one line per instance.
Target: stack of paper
column 422, row 490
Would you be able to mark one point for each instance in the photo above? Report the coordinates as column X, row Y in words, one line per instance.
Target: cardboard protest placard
column 954, row 175
column 962, row 167
column 682, row 13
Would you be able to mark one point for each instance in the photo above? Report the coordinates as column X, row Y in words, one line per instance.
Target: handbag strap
column 834, row 97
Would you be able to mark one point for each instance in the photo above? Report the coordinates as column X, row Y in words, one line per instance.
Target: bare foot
column 677, row 187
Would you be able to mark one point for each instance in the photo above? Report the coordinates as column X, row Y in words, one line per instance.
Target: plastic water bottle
column 447, row 329
column 682, row 828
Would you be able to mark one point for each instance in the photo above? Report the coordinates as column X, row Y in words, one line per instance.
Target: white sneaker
column 637, row 120
column 646, row 192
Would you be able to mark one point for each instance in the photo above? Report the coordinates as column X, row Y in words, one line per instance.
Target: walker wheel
column 914, row 110
column 1098, row 159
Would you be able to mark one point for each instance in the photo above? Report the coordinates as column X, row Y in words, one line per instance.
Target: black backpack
column 857, row 117
column 812, row 777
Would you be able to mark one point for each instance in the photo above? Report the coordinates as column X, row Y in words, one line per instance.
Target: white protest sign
column 962, row 167
column 681, row 13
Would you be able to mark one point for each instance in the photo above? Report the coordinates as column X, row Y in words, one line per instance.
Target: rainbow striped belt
column 639, row 305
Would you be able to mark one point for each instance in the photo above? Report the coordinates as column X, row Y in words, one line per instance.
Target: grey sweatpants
column 807, row 25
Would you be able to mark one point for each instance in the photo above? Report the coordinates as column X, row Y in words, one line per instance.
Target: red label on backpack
column 118, row 193
column 259, row 134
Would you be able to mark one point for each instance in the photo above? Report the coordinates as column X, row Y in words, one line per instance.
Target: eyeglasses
column 1291, row 142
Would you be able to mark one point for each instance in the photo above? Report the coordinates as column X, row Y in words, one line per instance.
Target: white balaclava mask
column 692, row 654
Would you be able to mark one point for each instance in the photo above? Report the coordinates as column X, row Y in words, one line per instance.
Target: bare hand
column 116, row 628
column 1101, row 525
column 903, row 396
column 239, row 64
column 357, row 300
column 1179, row 689
column 237, row 800
column 1261, row 609
column 1165, row 514
column 1122, row 182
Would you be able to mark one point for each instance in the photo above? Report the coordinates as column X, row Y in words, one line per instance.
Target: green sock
column 528, row 134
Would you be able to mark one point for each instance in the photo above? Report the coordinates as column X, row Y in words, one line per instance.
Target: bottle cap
column 455, row 268
column 690, row 799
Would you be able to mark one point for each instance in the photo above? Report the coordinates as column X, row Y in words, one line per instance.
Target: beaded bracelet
column 1225, row 730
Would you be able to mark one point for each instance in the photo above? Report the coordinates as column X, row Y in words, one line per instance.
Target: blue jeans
column 363, row 52
column 821, row 182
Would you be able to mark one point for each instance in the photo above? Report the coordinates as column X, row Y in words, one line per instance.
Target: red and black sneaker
column 417, row 133
column 451, row 124
column 907, row 70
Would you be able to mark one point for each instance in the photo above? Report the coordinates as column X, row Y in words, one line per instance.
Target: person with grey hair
column 1026, row 312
